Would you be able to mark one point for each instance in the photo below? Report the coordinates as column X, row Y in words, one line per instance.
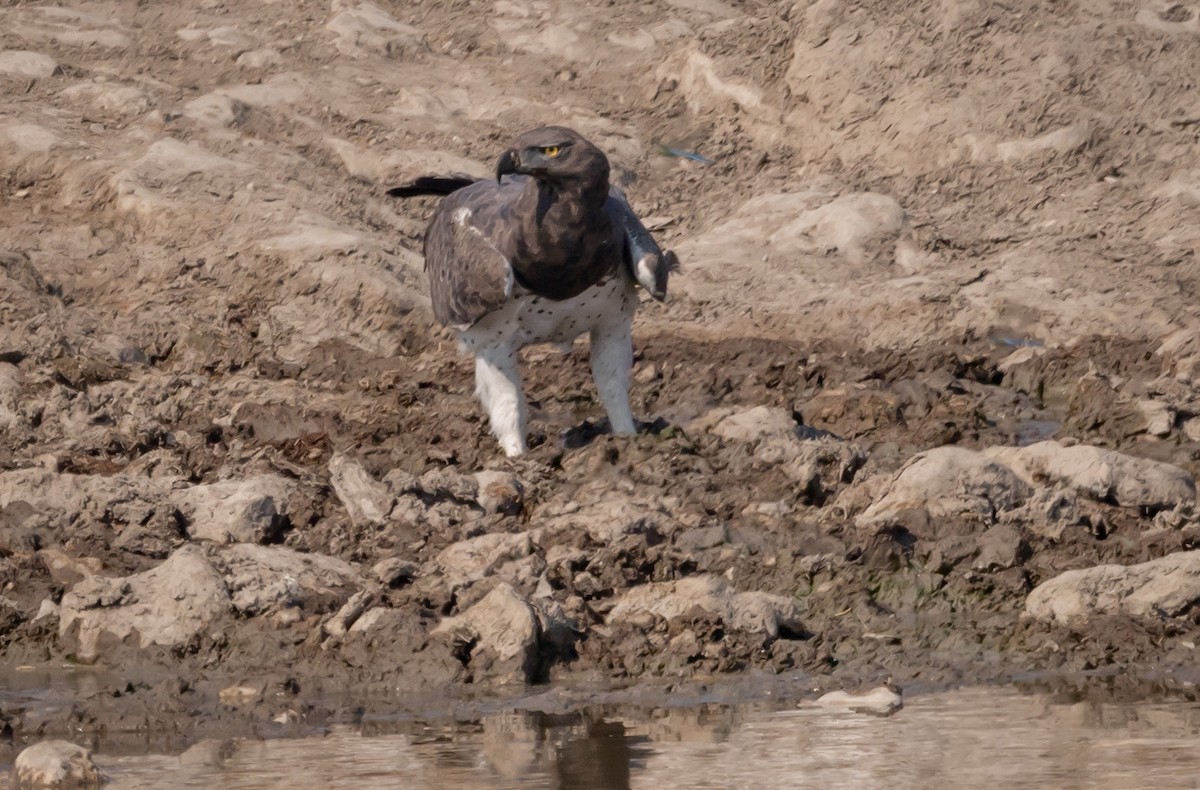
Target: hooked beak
column 509, row 164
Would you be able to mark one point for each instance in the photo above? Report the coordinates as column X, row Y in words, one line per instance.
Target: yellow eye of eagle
column 550, row 151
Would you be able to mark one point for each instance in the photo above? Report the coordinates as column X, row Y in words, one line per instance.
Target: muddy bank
column 924, row 404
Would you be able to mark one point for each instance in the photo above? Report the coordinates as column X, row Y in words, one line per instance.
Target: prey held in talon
column 543, row 253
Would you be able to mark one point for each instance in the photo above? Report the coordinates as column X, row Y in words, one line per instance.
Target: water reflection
column 992, row 738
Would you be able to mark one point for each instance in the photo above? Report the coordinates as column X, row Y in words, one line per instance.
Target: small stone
column 236, row 696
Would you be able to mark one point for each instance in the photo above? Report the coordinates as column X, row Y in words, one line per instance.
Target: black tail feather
column 432, row 185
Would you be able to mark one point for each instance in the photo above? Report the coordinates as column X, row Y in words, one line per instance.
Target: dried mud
column 951, row 225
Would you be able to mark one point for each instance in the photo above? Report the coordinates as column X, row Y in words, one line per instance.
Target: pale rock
column 948, row 483
column 47, row 608
column 66, row 569
column 499, row 492
column 264, row 579
column 10, row 395
column 468, row 561
column 853, row 225
column 755, row 612
column 233, row 38
column 29, row 137
column 235, row 511
column 344, row 618
column 744, row 425
column 363, row 29
column 54, row 765
column 27, row 64
column 367, row 500
column 167, row 605
column 504, row 631
column 259, row 58
column 555, row 627
column 216, row 109
column 119, row 99
column 1102, row 474
column 880, row 701
column 1168, row 586
column 1160, row 418
column 402, row 165
column 1061, row 141
column 237, row 696
column 373, row 618
column 392, row 571
column 606, row 517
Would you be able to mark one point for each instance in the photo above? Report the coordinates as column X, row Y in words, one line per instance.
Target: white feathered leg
column 498, row 385
column 612, row 363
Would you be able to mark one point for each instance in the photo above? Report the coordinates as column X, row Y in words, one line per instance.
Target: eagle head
column 555, row 154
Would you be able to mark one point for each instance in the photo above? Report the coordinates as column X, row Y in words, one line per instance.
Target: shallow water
column 983, row 737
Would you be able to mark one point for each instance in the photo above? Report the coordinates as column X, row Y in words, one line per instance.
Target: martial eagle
column 546, row 251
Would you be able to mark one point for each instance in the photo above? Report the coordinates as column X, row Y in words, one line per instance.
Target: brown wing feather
column 466, row 254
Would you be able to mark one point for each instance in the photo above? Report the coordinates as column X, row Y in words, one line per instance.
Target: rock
column 375, row 617
column 27, row 64
column 1050, row 512
column 10, row 396
column 468, row 561
column 745, row 425
column 1160, row 418
column 701, row 538
column 556, row 629
column 364, row 28
column 1000, row 548
column 236, row 696
column 948, row 483
column 264, row 579
column 881, row 701
column 500, row 635
column 394, row 571
column 118, row 99
column 755, row 612
column 64, row 498
column 67, row 570
column 605, row 515
column 499, row 492
column 340, row 623
column 1105, row 475
column 1168, row 586
column 54, row 765
column 367, row 500
column 259, row 58
column 236, row 511
column 818, row 465
column 167, row 605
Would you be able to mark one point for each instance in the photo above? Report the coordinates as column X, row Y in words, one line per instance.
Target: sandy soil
column 960, row 224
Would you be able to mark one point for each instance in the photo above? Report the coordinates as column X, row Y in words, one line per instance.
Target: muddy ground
column 953, row 224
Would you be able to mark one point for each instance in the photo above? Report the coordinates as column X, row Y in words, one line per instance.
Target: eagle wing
column 468, row 252
column 646, row 261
